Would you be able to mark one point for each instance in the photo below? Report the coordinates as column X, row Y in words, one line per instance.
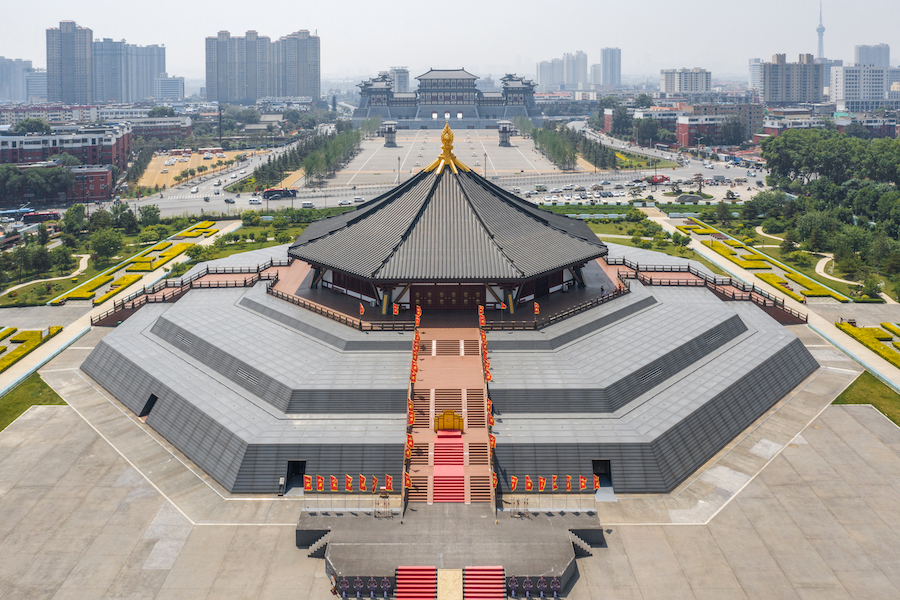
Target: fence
column 341, row 317
column 714, row 283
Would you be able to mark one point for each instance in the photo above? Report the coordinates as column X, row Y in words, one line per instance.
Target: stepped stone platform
column 451, row 536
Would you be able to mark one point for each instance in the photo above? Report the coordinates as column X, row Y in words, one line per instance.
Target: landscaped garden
column 868, row 389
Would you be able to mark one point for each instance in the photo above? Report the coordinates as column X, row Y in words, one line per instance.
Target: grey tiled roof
column 447, row 74
column 447, row 227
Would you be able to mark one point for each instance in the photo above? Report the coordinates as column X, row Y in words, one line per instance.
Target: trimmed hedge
column 814, row 289
column 892, row 328
column 6, row 332
column 86, row 291
column 28, row 341
column 871, row 338
column 118, row 285
column 731, row 255
column 779, row 284
column 160, row 247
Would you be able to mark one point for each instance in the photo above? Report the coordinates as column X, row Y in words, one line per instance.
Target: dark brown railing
column 339, row 316
column 714, row 283
column 560, row 315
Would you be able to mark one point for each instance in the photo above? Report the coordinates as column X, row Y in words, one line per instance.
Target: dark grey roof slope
column 447, row 74
column 447, row 227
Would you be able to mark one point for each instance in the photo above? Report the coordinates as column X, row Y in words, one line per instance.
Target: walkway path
column 760, row 231
column 83, row 324
column 82, row 267
column 869, row 359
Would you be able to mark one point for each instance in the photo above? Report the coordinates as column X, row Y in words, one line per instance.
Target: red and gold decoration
column 542, row 483
column 407, row 480
column 362, row 483
column 529, row 486
column 553, row 484
column 362, row 309
column 494, row 476
column 568, row 483
column 320, row 483
column 596, row 483
column 388, row 483
column 395, row 308
column 537, row 308
column 582, row 482
column 334, row 483
column 374, row 484
column 493, row 441
column 513, row 482
column 307, row 483
column 348, row 484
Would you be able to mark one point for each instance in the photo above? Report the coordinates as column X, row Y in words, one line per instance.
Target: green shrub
column 780, row 284
column 814, row 289
column 731, row 255
column 118, row 285
column 27, row 341
column 871, row 338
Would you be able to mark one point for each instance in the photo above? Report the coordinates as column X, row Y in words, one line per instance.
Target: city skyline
column 499, row 48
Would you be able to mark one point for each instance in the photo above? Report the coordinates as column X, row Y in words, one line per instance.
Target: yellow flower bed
column 27, row 341
column 735, row 243
column 160, row 247
column 6, row 332
column 86, row 291
column 779, row 284
column 731, row 255
column 118, row 285
column 872, row 338
column 887, row 326
column 813, row 288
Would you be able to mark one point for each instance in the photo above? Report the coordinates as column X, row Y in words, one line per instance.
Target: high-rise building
column 559, row 72
column 70, row 64
column 581, row 66
column 168, row 88
column 297, row 65
column 753, row 82
column 878, row 55
column 611, row 59
column 862, row 87
column 400, row 77
column 569, row 64
column 597, row 74
column 783, row 82
column 820, row 30
column 36, row 86
column 685, row 81
column 545, row 74
column 245, row 69
column 125, row 72
column 12, row 79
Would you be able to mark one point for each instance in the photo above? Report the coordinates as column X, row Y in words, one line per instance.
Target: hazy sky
column 360, row 38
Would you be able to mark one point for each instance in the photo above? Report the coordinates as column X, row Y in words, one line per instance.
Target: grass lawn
column 617, row 228
column 31, row 392
column 37, row 292
column 809, row 271
column 673, row 250
column 868, row 389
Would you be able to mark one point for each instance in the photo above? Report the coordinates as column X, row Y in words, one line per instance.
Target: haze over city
column 359, row 38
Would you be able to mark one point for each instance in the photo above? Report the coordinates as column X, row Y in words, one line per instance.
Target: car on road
column 307, row 204
column 243, row 171
column 255, row 201
column 358, row 199
column 216, row 192
column 206, row 198
column 164, row 171
column 234, row 175
column 344, row 202
column 229, row 200
column 605, row 183
column 194, row 190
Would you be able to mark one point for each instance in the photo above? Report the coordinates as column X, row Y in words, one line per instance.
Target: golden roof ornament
column 446, row 157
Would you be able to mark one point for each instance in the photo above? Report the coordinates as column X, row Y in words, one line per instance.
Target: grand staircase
column 484, row 583
column 416, row 583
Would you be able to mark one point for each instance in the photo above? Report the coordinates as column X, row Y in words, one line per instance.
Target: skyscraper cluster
column 245, row 69
column 13, row 73
column 568, row 72
column 81, row 70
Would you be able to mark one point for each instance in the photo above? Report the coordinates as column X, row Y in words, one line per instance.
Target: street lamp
column 485, row 165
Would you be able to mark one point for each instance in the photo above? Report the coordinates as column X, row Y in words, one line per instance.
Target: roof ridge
column 484, row 226
column 412, row 225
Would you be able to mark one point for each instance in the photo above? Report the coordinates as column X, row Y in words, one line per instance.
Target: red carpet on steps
column 484, row 583
column 416, row 583
column 449, row 489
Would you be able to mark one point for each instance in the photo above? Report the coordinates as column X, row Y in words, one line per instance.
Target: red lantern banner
column 528, row 485
column 388, row 483
column 513, row 482
column 334, row 484
column 320, row 483
column 348, row 484
column 542, row 483
column 307, row 483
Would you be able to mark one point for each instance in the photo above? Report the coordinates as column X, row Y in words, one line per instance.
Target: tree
column 857, row 130
column 279, row 222
column 250, row 218
column 643, row 101
column 101, row 219
column 61, row 258
column 291, row 115
column 73, row 219
column 149, row 214
column 32, row 126
column 723, row 213
column 816, row 240
column 106, row 243
column 734, row 131
column 43, row 235
column 621, row 121
column 283, row 237
column 40, row 259
column 161, row 111
column 67, row 159
column 128, row 222
column 788, row 243
column 334, row 103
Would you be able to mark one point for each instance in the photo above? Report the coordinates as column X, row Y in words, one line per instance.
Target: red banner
column 582, row 482
column 362, row 309
column 362, row 483
column 596, row 483
column 480, row 309
column 408, row 452
column 568, row 483
column 502, row 306
column 481, row 321
column 513, row 482
column 410, row 418
column 490, row 419
column 374, row 484
column 537, row 308
column 409, row 441
column 307, row 483
column 490, row 405
column 389, row 483
column 495, row 479
column 528, row 485
column 412, row 377
column 493, row 441
column 418, row 311
column 418, row 320
column 407, row 480
column 487, row 377
column 395, row 308
column 553, row 484
column 348, row 484
column 542, row 483
column 320, row 483
column 334, row 484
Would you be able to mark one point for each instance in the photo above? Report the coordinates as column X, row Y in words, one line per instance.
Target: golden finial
column 446, row 156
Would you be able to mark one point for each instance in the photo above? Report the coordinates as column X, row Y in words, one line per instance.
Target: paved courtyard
column 94, row 505
column 416, row 149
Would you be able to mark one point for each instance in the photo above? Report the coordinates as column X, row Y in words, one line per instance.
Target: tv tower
column 821, row 31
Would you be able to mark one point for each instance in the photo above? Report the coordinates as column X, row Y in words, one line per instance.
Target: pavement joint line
column 758, row 471
column 405, row 158
column 108, row 441
column 15, row 382
column 156, row 487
